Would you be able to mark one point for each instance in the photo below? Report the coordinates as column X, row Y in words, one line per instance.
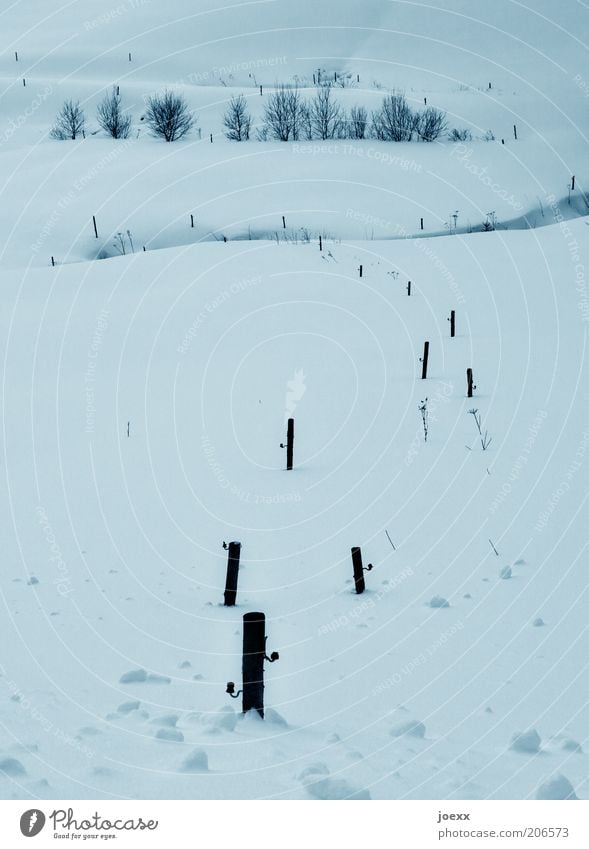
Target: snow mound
column 223, row 720
column 141, row 676
column 505, row 573
column 169, row 720
column 410, row 728
column 439, row 601
column 558, row 787
column 12, row 767
column 274, row 718
column 526, row 742
column 320, row 785
column 127, row 707
column 538, row 623
column 572, row 746
column 134, row 676
column 170, row 734
column 196, row 761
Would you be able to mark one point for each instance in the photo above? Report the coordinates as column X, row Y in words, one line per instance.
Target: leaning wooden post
column 289, row 444
column 424, row 360
column 359, row 569
column 515, row 132
column 95, row 227
column 452, row 323
column 283, row 223
column 234, row 549
column 573, row 183
column 469, row 384
column 191, row 220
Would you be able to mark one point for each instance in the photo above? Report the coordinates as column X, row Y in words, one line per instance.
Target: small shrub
column 168, row 116
column 70, row 121
column 457, row 135
column 237, row 119
column 430, row 124
column 111, row 117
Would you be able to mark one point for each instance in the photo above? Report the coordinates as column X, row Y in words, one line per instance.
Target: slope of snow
column 199, row 349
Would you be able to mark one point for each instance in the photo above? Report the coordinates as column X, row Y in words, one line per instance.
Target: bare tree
column 237, row 119
column 168, row 116
column 326, row 114
column 111, row 117
column 283, row 112
column 358, row 122
column 70, row 121
column 431, row 124
column 395, row 120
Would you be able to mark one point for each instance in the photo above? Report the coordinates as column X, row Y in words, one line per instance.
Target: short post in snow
column 261, row 91
column 452, row 321
column 421, row 223
column 469, row 383
column 191, row 220
column 253, row 657
column 409, row 287
column 52, row 262
column 515, row 132
column 129, row 57
column 95, row 227
column 424, row 360
column 234, row 552
column 573, row 183
column 320, row 243
column 289, row 444
column 359, row 569
column 283, row 223
column 360, row 270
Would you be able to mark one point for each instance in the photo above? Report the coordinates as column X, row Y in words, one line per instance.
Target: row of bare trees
column 288, row 116
column 167, row 115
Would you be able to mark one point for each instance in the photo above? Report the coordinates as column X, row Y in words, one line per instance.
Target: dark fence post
column 95, row 227
column 424, row 360
column 469, row 385
column 320, row 243
column 409, row 287
column 289, row 444
column 359, row 569
column 232, row 572
column 515, row 132
column 422, row 223
column 573, row 183
column 452, row 323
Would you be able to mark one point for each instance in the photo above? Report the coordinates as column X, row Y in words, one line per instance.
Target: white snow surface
column 145, row 396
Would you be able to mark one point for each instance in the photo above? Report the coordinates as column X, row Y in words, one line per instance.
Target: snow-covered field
column 145, row 397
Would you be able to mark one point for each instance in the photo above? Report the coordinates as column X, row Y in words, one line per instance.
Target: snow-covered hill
column 145, row 396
